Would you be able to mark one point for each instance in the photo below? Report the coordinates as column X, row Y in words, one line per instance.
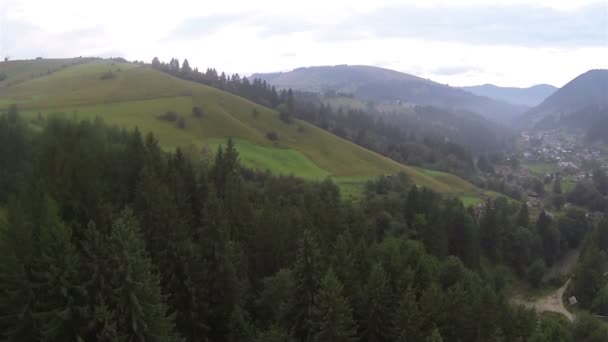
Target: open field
column 135, row 96
column 541, row 168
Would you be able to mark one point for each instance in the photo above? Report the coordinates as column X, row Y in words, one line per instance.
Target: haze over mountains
column 531, row 96
column 581, row 105
column 382, row 85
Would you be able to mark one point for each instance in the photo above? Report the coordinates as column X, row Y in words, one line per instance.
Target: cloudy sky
column 458, row 42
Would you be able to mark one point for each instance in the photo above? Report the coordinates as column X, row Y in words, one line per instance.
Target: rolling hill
column 134, row 95
column 383, row 85
column 531, row 96
column 581, row 103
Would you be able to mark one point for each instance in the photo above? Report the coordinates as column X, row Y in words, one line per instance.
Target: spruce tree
column 377, row 306
column 41, row 296
column 407, row 321
column 137, row 302
column 435, row 336
column 523, row 217
column 307, row 281
column 332, row 318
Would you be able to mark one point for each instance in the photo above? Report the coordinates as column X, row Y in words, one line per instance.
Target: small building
column 572, row 300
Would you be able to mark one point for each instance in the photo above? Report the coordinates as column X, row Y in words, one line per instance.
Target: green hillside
column 133, row 95
column 14, row 72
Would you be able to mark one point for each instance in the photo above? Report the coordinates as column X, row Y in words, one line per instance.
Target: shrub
column 107, row 75
column 197, row 112
column 255, row 113
column 285, row 117
column 2, row 76
column 181, row 123
column 272, row 136
column 170, row 116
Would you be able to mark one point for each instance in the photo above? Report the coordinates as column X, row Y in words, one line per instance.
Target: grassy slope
column 20, row 71
column 138, row 94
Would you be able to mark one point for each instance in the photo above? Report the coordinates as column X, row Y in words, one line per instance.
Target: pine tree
column 307, row 281
column 435, row 336
column 523, row 217
column 377, row 306
column 275, row 334
column 137, row 301
column 332, row 318
column 41, row 296
column 407, row 321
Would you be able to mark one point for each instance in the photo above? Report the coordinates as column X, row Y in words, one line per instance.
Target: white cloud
column 274, row 35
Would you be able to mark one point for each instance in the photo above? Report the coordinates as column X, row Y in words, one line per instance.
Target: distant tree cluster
column 127, row 242
column 591, row 194
column 255, row 90
column 390, row 135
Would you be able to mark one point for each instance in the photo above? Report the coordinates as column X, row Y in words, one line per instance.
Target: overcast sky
column 458, row 42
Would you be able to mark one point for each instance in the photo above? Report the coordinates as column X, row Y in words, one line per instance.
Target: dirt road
column 552, row 302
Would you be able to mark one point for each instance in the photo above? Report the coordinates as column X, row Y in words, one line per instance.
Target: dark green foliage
column 332, row 318
column 588, row 329
column 535, row 272
column 407, row 322
column 107, row 237
column 137, row 300
column 307, row 270
column 181, row 123
column 553, row 328
column 600, row 179
column 42, row 293
column 107, row 75
column 272, row 136
column 169, row 116
column 197, row 112
column 377, row 306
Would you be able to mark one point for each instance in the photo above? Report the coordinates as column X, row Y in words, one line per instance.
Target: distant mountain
column 530, row 97
column 580, row 104
column 384, row 85
column 588, row 89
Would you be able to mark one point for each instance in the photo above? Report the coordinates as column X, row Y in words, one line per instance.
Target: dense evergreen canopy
column 110, row 238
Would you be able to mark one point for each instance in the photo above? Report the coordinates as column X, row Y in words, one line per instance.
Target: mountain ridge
column 379, row 84
column 527, row 96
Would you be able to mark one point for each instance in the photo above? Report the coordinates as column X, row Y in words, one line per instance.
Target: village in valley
column 544, row 158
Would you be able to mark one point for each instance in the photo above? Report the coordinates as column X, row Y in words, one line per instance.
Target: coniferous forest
column 108, row 237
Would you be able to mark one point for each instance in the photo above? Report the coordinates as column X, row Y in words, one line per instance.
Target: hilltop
column 587, row 89
column 136, row 95
column 582, row 104
column 383, row 85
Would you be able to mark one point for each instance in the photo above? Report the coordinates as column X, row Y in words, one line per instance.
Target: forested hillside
column 107, row 238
